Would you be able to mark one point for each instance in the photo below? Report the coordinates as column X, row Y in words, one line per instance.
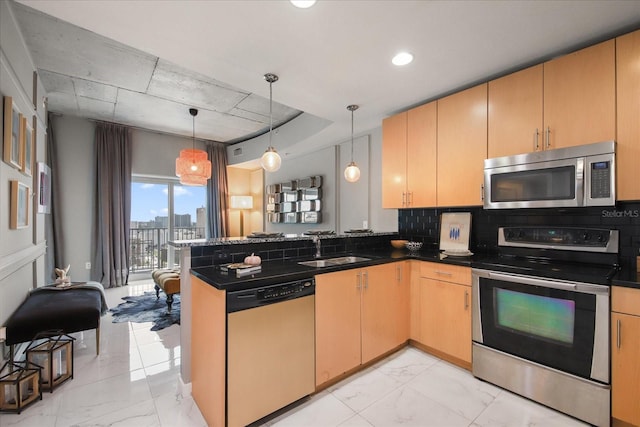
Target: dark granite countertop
column 281, row 271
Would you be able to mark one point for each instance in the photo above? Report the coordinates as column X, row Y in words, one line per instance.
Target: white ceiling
column 327, row 57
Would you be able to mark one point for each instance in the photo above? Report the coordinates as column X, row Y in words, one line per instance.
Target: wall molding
column 13, row 262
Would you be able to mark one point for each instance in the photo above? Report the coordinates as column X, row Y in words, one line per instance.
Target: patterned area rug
column 147, row 308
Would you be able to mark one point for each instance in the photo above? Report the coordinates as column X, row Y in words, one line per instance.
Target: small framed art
column 19, row 217
column 44, row 188
column 28, row 148
column 13, row 134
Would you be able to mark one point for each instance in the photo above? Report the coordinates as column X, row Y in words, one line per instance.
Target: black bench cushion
column 71, row 310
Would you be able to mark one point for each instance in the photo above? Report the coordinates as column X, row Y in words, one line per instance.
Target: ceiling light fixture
column 402, row 58
column 352, row 172
column 270, row 160
column 193, row 167
column 303, row 4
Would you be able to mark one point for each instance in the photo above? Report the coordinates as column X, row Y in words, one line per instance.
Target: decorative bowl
column 413, row 246
column 399, row 244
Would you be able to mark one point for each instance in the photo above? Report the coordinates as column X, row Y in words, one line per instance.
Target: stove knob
column 586, row 236
column 509, row 234
column 600, row 237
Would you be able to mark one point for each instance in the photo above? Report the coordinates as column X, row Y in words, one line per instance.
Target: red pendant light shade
column 192, row 166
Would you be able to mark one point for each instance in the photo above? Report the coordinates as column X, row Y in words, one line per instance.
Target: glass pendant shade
column 271, row 160
column 193, row 167
column 352, row 172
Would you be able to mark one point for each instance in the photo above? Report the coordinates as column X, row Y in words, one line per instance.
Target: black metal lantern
column 19, row 386
column 55, row 356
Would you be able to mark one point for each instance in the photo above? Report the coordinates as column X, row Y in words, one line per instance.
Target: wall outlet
column 365, row 224
column 87, row 265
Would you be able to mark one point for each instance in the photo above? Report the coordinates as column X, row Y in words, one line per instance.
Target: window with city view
column 160, row 212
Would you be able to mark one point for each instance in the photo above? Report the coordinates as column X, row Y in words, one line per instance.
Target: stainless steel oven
column 566, row 177
column 541, row 319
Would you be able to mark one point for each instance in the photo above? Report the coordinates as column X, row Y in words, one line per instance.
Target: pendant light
column 352, row 171
column 193, row 167
column 270, row 160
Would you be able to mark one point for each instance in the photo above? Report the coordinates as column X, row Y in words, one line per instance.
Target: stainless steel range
column 541, row 317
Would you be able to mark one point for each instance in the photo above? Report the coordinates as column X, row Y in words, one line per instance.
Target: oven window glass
column 533, row 185
column 553, row 327
column 535, row 315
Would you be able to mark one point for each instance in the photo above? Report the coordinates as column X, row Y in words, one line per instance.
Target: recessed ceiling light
column 402, row 58
column 303, row 4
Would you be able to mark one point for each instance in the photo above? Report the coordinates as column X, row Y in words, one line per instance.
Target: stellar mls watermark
column 628, row 213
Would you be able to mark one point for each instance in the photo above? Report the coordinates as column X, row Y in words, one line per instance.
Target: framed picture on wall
column 44, row 188
column 19, row 217
column 13, row 134
column 28, row 148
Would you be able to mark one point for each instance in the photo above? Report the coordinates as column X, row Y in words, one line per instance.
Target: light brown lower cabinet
column 625, row 356
column 444, row 318
column 360, row 315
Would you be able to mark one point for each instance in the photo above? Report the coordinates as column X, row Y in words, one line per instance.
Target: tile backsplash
column 424, row 224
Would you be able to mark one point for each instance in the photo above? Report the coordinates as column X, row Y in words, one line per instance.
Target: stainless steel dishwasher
column 270, row 349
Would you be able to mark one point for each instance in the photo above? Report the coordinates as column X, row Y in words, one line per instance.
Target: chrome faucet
column 316, row 240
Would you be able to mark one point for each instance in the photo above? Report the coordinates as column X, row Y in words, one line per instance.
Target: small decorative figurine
column 63, row 279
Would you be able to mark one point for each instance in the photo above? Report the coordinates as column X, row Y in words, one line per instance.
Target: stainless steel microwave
column 566, row 177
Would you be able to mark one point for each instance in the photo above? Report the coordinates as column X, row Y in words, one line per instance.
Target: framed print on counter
column 13, row 134
column 19, row 217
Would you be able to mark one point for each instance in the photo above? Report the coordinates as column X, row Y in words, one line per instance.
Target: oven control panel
column 566, row 238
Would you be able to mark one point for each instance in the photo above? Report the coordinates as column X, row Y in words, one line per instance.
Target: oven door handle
column 584, row 288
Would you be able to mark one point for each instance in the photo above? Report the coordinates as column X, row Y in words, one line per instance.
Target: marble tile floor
column 133, row 382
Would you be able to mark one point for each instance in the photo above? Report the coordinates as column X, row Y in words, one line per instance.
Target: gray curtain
column 53, row 222
column 217, row 193
column 112, row 205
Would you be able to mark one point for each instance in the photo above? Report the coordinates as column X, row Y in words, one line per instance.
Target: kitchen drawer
column 446, row 272
column 625, row 300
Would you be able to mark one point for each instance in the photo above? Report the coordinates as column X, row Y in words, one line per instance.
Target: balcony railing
column 149, row 249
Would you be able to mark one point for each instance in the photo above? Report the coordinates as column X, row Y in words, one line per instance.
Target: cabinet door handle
column 466, row 300
column 536, row 145
column 403, row 198
column 410, row 199
column 444, row 273
column 482, row 192
column 618, row 333
column 547, row 143
column 366, row 279
column 358, row 281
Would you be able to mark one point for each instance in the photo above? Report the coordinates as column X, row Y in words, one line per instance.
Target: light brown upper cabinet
column 409, row 158
column 462, row 147
column 628, row 139
column 580, row 97
column 564, row 102
column 515, row 113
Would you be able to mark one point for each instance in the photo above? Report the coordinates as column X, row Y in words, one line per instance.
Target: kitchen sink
column 334, row 261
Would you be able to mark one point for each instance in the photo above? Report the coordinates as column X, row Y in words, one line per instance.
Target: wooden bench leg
column 169, row 301
column 157, row 288
column 98, row 339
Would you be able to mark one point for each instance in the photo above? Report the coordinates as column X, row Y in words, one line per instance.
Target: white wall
column 76, row 171
column 22, row 250
column 154, row 154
